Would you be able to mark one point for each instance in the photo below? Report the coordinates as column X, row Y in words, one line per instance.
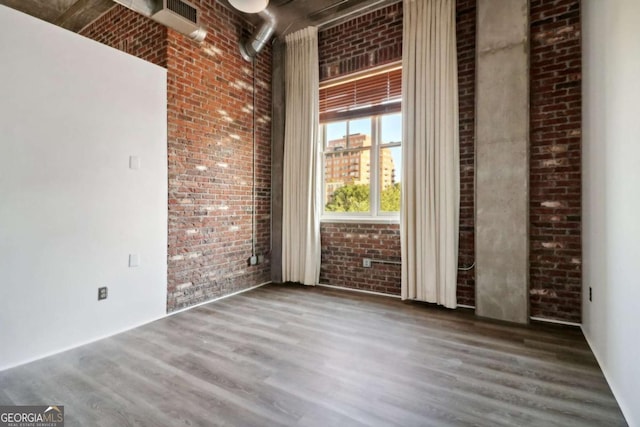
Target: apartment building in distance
column 348, row 162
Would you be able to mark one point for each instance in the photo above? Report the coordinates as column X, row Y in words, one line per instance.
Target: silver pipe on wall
column 253, row 45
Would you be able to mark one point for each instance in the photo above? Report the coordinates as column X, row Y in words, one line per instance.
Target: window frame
column 375, row 213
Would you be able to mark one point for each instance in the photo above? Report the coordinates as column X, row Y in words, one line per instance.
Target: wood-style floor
column 298, row 356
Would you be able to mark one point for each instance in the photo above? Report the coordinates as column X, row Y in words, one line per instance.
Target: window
column 362, row 162
column 361, row 143
column 390, row 162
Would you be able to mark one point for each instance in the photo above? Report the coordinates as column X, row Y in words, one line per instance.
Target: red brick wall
column 466, row 40
column 345, row 245
column 554, row 165
column 555, row 180
column 368, row 41
column 209, row 151
column 208, row 254
column 131, row 33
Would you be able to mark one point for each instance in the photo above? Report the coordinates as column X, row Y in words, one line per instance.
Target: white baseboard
column 218, row 298
column 362, row 291
column 537, row 319
column 137, row 325
column 80, row 344
column 472, row 307
column 554, row 321
column 623, row 407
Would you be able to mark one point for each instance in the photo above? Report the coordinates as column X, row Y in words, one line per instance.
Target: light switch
column 134, row 162
column 134, row 260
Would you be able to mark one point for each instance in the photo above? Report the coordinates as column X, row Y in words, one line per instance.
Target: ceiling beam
column 81, row 13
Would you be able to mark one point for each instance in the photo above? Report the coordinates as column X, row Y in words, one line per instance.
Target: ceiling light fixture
column 249, row 6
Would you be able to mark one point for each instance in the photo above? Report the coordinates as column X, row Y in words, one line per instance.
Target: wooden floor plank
column 302, row 356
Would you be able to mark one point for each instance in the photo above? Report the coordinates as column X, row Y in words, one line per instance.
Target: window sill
column 360, row 220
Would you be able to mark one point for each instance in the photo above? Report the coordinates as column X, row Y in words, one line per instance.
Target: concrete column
column 502, row 160
column 277, row 159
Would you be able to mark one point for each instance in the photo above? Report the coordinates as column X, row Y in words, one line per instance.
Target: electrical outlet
column 366, row 262
column 590, row 294
column 102, row 293
column 134, row 260
column 134, row 162
column 253, row 260
column 260, row 259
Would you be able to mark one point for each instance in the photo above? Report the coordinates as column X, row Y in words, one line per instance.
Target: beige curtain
column 301, row 215
column 430, row 163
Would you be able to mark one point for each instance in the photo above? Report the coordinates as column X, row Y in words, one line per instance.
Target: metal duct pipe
column 198, row 34
column 143, row 7
column 168, row 14
column 251, row 47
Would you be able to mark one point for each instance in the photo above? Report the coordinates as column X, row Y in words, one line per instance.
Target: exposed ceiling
column 291, row 15
column 73, row 15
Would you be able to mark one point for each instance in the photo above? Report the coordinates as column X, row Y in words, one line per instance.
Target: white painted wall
column 72, row 111
column 611, row 193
